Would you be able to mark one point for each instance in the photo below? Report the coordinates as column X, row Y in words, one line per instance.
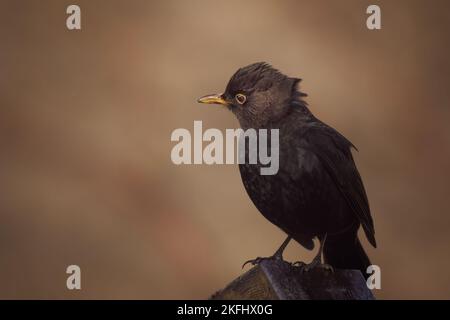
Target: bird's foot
column 315, row 264
column 277, row 256
column 258, row 260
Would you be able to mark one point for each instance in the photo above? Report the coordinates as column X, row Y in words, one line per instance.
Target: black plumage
column 317, row 191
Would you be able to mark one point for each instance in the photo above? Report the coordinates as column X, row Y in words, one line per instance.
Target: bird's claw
column 325, row 267
column 306, row 267
column 300, row 264
column 258, row 260
column 252, row 262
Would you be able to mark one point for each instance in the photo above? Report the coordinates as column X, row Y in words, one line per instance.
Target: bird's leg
column 317, row 261
column 278, row 255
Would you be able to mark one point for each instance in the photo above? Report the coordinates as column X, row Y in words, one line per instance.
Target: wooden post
column 279, row 280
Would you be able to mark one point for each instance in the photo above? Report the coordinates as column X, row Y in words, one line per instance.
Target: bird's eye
column 240, row 98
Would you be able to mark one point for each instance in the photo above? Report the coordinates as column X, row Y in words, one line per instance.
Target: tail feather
column 346, row 252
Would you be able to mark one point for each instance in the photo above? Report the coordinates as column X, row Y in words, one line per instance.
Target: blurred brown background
column 86, row 117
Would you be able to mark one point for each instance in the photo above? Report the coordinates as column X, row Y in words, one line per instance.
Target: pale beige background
column 86, row 118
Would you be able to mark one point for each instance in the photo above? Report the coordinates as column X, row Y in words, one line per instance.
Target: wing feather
column 340, row 165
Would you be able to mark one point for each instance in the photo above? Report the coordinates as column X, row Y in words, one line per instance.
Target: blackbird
column 317, row 191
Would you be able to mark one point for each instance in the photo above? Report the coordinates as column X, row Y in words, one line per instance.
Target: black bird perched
column 317, row 191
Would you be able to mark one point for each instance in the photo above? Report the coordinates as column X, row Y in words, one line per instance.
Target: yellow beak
column 213, row 99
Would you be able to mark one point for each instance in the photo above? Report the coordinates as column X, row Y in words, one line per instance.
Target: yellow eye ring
column 240, row 98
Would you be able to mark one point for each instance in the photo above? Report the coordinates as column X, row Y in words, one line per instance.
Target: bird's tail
column 346, row 252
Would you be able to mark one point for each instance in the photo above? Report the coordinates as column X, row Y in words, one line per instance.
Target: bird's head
column 258, row 94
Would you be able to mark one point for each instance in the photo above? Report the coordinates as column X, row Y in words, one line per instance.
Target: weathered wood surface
column 278, row 280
